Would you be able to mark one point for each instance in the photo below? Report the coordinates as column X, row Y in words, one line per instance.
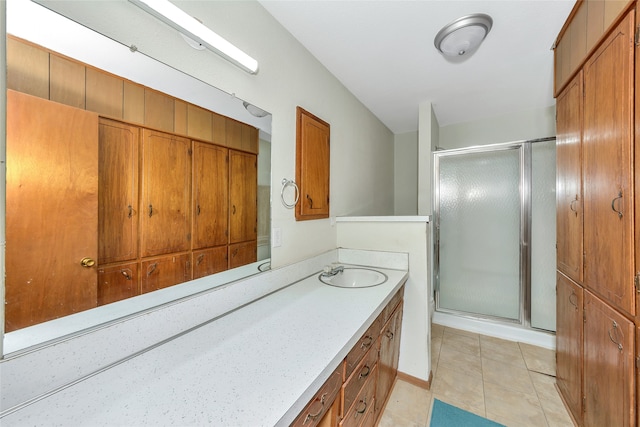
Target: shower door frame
column 525, row 184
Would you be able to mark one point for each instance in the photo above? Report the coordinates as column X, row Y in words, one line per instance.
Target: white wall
column 517, row 126
column 405, row 183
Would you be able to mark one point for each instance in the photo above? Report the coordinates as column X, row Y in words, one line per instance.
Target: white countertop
column 257, row 366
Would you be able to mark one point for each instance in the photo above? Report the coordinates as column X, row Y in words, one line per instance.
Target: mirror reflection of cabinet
column 312, row 166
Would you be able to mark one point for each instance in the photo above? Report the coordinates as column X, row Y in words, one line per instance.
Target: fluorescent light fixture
column 190, row 27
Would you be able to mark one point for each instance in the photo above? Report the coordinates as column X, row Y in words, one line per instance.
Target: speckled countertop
column 257, row 366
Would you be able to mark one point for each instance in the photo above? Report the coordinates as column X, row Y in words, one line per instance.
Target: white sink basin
column 356, row 277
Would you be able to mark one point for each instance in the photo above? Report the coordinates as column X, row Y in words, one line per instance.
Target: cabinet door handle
column 126, row 273
column 151, row 269
column 310, row 201
column 572, row 207
column 233, row 209
column 613, row 204
column 150, row 211
column 130, row 211
column 311, row 416
column 389, row 335
column 616, row 341
column 198, row 210
column 200, row 258
column 573, row 300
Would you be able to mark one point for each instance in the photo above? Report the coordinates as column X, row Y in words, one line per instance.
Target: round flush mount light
column 255, row 111
column 463, row 35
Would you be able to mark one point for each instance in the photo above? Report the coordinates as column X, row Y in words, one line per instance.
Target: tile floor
column 508, row 382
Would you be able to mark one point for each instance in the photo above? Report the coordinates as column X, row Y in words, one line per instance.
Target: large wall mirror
column 69, row 28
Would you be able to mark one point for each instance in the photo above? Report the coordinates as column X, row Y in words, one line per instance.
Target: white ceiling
column 383, row 52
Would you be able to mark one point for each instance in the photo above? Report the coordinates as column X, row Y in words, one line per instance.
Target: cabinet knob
column 87, row 262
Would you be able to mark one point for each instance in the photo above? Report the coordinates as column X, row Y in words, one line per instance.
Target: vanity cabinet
column 209, row 261
column 596, row 307
column 165, row 271
column 361, row 394
column 118, row 282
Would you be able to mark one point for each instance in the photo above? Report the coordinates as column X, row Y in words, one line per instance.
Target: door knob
column 87, row 262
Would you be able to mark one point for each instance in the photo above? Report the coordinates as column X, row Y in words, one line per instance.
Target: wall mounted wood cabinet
column 597, row 253
column 312, row 166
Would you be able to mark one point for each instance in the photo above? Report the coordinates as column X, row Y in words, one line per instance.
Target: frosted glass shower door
column 479, row 213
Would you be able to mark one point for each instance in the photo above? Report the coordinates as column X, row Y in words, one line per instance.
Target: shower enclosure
column 495, row 232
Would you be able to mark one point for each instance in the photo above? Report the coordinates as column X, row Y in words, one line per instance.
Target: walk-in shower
column 494, row 229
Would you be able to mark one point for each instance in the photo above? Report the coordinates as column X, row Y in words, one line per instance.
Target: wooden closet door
column 569, row 321
column 243, row 197
column 608, row 365
column 608, row 206
column 569, row 210
column 51, row 210
column 118, row 192
column 166, row 193
column 210, row 195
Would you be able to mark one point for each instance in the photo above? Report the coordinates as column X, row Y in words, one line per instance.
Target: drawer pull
column 310, row 416
column 363, row 404
column 613, row 204
column 389, row 335
column 617, row 341
column 364, row 374
column 367, row 341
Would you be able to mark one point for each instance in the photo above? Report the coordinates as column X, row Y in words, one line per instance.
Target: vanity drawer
column 363, row 403
column 367, row 341
column 358, row 379
column 312, row 414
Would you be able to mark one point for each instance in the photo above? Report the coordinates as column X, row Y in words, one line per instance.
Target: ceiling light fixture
column 463, row 35
column 255, row 111
column 190, row 27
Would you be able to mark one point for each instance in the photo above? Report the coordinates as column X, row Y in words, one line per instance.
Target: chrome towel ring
column 286, row 183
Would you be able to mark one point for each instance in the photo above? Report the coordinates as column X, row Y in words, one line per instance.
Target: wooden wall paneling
column 578, row 49
column 233, row 134
column 162, row 272
column 250, row 139
column 118, row 282
column 180, row 117
column 51, row 220
column 133, row 108
column 27, row 68
column 159, row 112
column 209, row 261
column 67, row 82
column 118, row 214
column 595, row 21
column 199, row 123
column 105, row 93
column 219, row 131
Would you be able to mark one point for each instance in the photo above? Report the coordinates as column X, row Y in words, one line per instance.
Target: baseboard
column 416, row 381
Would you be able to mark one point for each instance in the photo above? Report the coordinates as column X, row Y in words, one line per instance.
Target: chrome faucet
column 332, row 271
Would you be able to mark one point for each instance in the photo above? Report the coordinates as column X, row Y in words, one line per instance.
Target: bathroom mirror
column 59, row 28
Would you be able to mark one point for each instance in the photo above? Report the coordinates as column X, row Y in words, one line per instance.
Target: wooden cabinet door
column 209, row 261
column 312, row 166
column 569, row 321
column 51, row 210
column 608, row 365
column 117, row 282
column 210, row 195
column 117, row 192
column 388, row 358
column 607, row 142
column 243, row 253
column 164, row 271
column 243, row 197
column 165, row 207
column 569, row 180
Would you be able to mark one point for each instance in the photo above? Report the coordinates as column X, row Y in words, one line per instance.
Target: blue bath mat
column 445, row 415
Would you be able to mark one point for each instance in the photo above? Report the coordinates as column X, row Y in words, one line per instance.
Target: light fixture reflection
column 190, row 27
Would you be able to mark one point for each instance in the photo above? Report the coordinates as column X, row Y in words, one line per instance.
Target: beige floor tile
column 539, row 359
column 436, row 345
column 463, row 343
column 512, row 377
column 501, row 351
column 409, row 403
column 511, row 407
column 453, row 359
column 437, row 330
column 390, row 419
column 459, row 389
column 455, row 331
column 552, row 405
